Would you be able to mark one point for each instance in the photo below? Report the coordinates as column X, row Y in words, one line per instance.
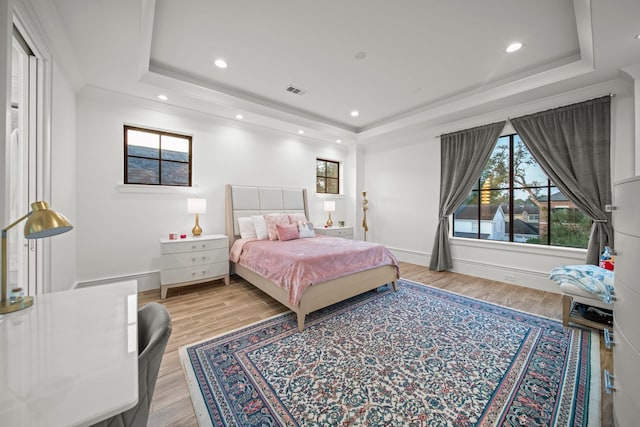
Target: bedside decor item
column 41, row 222
column 197, row 206
column 329, row 206
column 364, row 214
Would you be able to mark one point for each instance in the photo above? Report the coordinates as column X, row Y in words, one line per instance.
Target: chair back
column 154, row 329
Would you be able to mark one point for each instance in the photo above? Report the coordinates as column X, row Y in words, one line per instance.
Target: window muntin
column 327, row 177
column 514, row 201
column 155, row 157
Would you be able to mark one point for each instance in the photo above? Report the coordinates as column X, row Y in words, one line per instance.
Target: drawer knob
column 608, row 340
column 608, row 386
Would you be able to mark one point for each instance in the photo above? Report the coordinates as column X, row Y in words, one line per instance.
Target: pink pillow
column 287, row 232
column 271, row 220
column 295, row 217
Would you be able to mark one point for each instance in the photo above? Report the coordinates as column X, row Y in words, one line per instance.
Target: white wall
column 403, row 176
column 63, row 180
column 118, row 230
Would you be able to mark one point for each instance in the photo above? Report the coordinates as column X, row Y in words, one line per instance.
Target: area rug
column 416, row 357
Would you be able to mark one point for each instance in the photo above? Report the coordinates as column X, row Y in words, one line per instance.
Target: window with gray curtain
column 463, row 155
column 572, row 145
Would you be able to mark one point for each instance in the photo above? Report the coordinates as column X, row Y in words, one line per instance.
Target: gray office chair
column 154, row 329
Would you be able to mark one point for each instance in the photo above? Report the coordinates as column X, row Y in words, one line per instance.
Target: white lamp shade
column 329, row 206
column 197, row 206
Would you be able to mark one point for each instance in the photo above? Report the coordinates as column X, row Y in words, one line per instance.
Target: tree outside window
column 327, row 177
column 515, row 201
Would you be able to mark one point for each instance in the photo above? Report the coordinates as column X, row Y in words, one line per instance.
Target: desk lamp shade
column 329, row 206
column 41, row 222
column 197, row 206
column 44, row 222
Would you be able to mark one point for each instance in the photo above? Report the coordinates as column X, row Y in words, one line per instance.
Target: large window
column 156, row 158
column 327, row 177
column 514, row 201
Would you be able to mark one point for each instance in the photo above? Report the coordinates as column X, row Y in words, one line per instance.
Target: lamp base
column 6, row 307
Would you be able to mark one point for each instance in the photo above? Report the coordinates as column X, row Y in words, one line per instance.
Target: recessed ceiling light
column 514, row 47
column 239, row 116
column 220, row 63
column 361, row 55
column 638, row 36
column 163, row 97
column 301, row 132
column 338, row 141
column 355, row 113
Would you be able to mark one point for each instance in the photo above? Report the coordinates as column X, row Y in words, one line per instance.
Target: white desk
column 70, row 359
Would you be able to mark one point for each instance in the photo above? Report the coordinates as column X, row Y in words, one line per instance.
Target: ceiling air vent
column 296, row 90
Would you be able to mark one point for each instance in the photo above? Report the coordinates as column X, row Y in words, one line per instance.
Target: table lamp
column 329, row 206
column 41, row 222
column 197, row 206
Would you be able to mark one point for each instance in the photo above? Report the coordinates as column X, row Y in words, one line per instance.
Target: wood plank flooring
column 202, row 311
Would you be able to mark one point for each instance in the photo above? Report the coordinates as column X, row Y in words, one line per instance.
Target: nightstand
column 193, row 260
column 346, row 232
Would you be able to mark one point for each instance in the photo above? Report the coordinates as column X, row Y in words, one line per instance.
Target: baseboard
column 501, row 273
column 413, row 257
column 146, row 281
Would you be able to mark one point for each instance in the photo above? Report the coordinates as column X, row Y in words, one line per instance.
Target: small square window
column 327, row 177
column 156, row 158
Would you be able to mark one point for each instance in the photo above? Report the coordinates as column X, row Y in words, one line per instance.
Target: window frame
column 338, row 179
column 546, row 189
column 160, row 134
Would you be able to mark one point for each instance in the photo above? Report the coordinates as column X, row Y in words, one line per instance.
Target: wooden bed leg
column 395, row 285
column 566, row 309
column 301, row 317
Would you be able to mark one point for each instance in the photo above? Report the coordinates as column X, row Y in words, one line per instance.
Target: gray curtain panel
column 463, row 155
column 571, row 144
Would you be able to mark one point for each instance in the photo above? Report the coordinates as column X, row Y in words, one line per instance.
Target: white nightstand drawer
column 193, row 244
column 190, row 274
column 345, row 232
column 187, row 259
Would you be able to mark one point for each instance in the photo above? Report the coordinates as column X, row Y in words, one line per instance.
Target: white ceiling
column 423, row 58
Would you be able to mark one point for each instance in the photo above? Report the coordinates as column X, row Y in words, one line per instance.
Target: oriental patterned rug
column 416, row 357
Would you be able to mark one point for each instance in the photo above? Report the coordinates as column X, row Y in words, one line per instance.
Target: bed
column 246, row 201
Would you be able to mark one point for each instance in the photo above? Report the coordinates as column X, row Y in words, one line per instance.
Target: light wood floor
column 203, row 311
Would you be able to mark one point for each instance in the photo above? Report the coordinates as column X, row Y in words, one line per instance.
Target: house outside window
column 515, row 201
column 153, row 157
column 327, row 177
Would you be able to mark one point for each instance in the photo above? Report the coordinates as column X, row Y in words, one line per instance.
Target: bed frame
column 242, row 201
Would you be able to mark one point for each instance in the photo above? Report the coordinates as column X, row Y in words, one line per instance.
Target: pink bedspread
column 297, row 264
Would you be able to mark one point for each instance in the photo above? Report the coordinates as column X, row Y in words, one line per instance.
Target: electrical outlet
column 510, row 278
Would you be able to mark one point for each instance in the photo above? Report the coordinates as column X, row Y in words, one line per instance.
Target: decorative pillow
column 287, row 232
column 260, row 227
column 306, row 229
column 272, row 220
column 295, row 217
column 247, row 229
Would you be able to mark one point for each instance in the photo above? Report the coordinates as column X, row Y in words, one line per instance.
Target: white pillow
column 247, row 230
column 306, row 229
column 260, row 227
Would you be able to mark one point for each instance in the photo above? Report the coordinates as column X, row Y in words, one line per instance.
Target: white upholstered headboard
column 246, row 200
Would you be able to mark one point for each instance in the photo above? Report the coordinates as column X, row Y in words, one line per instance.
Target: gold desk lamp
column 42, row 222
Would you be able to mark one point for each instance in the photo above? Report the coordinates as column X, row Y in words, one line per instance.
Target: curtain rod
column 611, row 94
